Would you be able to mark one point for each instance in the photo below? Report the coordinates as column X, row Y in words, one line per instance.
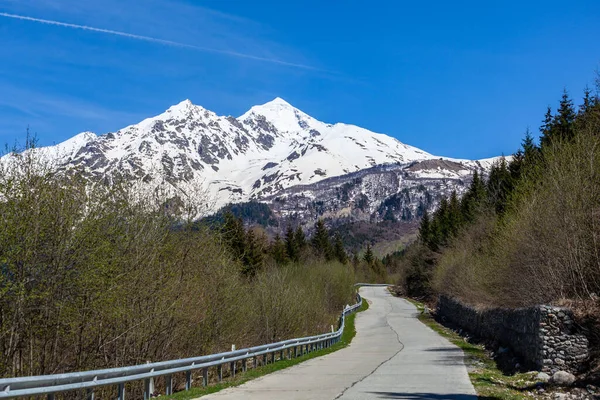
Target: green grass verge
column 240, row 378
column 489, row 382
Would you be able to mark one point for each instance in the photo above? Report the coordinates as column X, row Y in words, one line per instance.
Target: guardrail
column 88, row 381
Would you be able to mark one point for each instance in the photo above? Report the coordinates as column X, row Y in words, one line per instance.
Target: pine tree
column 300, row 239
column 278, row 251
column 291, row 245
column 253, row 257
column 369, row 257
column 474, row 199
column 338, row 250
column 425, row 229
column 565, row 118
column 234, row 235
column 547, row 128
column 320, row 241
column 454, row 214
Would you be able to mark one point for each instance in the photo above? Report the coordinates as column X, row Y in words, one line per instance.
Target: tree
column 234, row 235
column 291, row 245
column 474, row 199
column 253, row 257
column 425, row 229
column 300, row 239
column 369, row 257
column 278, row 251
column 561, row 126
column 338, row 250
column 320, row 241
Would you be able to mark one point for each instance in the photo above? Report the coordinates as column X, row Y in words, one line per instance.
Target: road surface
column 393, row 356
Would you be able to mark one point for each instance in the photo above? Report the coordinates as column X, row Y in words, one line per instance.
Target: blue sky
column 461, row 79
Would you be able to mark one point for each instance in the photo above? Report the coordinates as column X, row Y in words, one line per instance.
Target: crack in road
column 383, row 362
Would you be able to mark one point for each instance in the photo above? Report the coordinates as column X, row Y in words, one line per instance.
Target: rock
column 563, row 378
column 543, row 377
column 559, row 396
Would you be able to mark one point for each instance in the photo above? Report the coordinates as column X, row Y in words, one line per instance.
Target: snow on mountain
column 272, row 147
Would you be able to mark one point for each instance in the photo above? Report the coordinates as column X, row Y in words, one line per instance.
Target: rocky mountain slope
column 273, row 153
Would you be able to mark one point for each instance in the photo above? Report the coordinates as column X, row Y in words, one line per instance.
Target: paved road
column 393, row 356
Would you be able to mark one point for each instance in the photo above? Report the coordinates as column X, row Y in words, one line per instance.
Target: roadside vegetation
column 231, row 381
column 97, row 276
column 527, row 234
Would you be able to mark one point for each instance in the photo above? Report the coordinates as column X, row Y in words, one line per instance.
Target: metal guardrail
column 49, row 385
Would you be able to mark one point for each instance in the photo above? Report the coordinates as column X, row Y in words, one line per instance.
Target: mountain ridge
column 269, row 149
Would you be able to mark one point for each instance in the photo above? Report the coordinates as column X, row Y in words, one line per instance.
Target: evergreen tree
column 338, row 250
column 565, row 118
column 291, row 245
column 300, row 239
column 425, row 229
column 474, row 199
column 547, row 128
column 454, row 214
column 234, row 235
column 560, row 126
column 320, row 241
column 253, row 257
column 369, row 257
column 499, row 185
column 278, row 251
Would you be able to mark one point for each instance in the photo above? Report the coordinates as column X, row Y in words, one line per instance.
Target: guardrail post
column 254, row 362
column 147, row 393
column 50, row 396
column 188, row 380
column 90, row 394
column 244, row 365
column 220, row 377
column 169, row 385
column 121, row 391
column 205, row 377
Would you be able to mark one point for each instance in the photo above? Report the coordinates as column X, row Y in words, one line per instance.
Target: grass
column 489, row 382
column 240, row 378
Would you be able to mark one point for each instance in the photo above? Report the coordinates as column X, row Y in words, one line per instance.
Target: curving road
column 393, row 356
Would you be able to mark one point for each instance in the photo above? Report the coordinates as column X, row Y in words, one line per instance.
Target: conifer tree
column 547, row 128
column 320, row 240
column 454, row 214
column 369, row 257
column 300, row 239
column 473, row 200
column 291, row 245
column 234, row 235
column 278, row 251
column 425, row 229
column 338, row 250
column 253, row 257
column 565, row 118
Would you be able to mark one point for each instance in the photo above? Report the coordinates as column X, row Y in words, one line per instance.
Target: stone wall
column 546, row 338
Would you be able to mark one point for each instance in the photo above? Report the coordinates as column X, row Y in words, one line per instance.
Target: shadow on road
column 429, row 396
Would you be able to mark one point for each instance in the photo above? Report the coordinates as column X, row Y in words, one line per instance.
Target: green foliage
column 368, row 256
column 278, row 251
column 292, row 244
column 252, row 212
column 320, row 241
column 529, row 234
column 339, row 251
column 93, row 276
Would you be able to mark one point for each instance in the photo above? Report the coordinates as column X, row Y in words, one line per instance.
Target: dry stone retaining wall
column 545, row 337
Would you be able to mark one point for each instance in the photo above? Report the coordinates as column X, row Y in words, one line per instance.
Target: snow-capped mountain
column 272, row 148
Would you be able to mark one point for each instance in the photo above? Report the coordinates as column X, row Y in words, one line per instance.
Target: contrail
column 157, row 40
